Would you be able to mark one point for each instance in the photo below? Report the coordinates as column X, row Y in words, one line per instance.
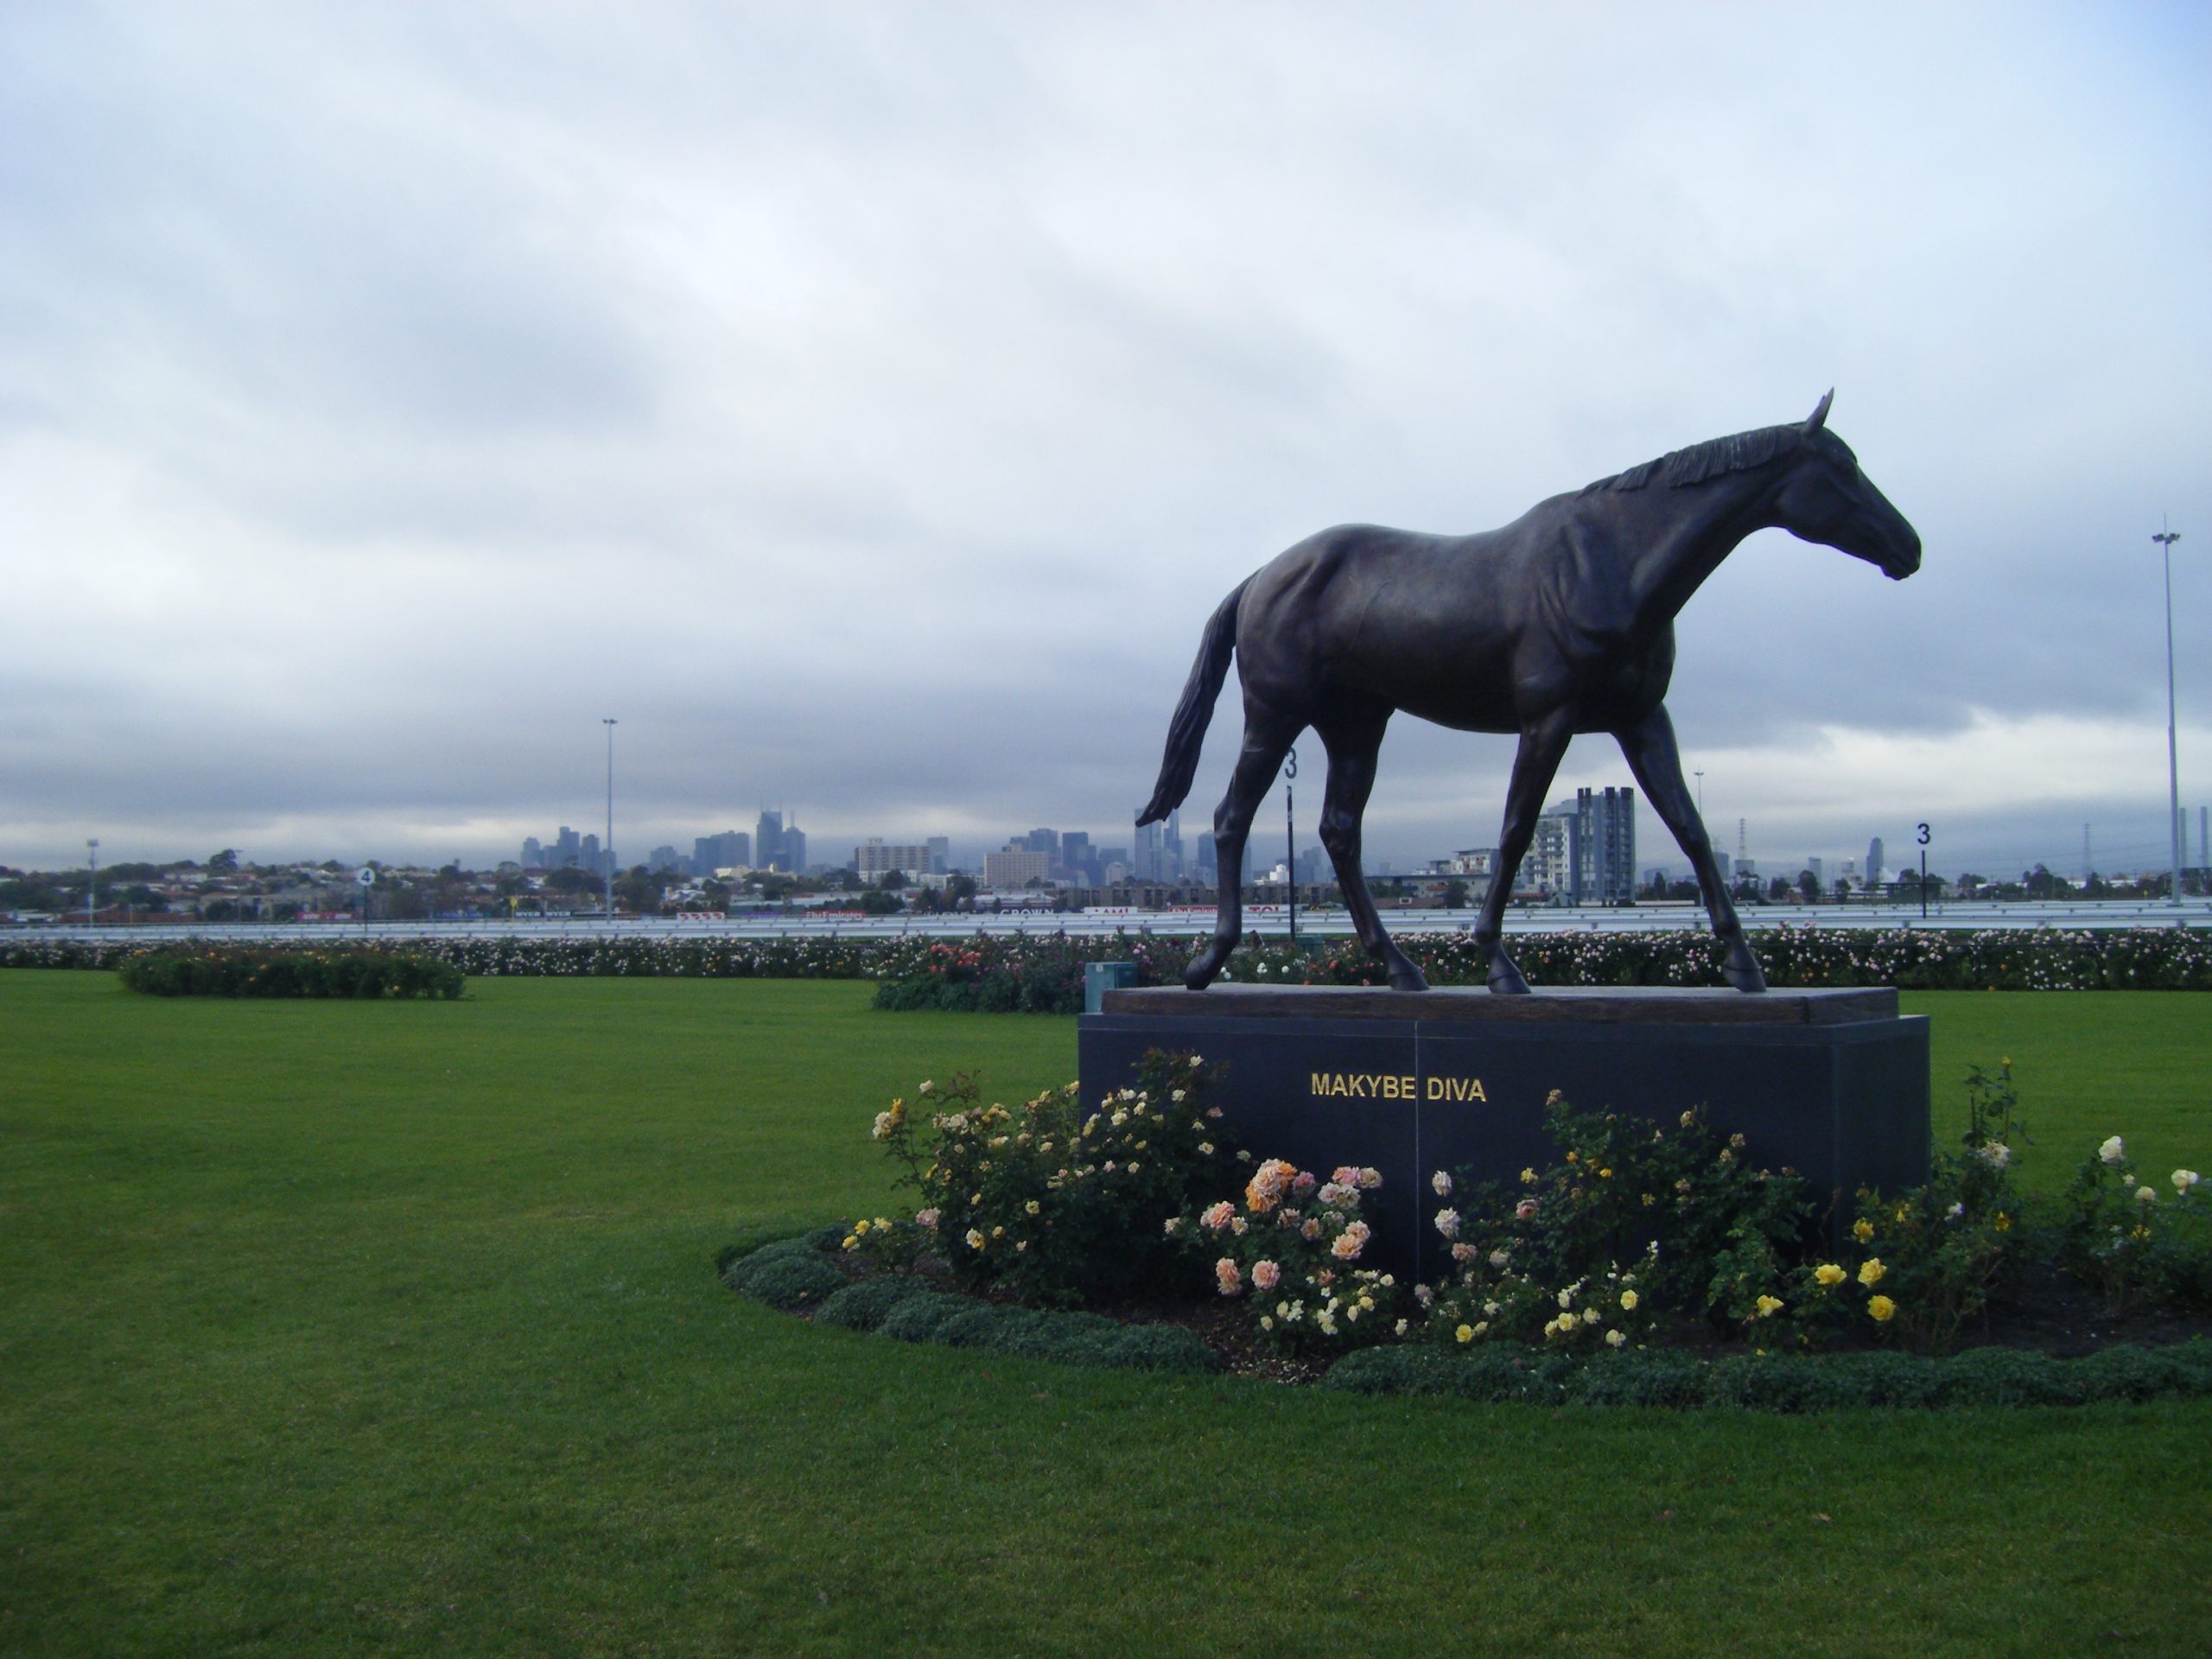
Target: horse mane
column 1736, row 453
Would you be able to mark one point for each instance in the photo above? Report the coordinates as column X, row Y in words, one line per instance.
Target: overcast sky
column 867, row 405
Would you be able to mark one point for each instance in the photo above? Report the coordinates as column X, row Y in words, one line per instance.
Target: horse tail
column 1186, row 732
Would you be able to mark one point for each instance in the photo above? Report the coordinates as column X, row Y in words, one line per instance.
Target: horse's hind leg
column 1650, row 746
column 1353, row 738
column 1267, row 737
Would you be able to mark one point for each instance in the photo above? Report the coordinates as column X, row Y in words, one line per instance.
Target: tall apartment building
column 1874, row 863
column 1017, row 866
column 568, row 851
column 1604, row 847
column 940, row 854
column 533, row 853
column 1549, row 865
column 875, row 858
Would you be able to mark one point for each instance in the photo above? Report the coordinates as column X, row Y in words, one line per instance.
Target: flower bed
column 242, row 970
column 1655, row 1263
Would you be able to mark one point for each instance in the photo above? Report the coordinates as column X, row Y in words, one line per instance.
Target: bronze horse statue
column 1560, row 622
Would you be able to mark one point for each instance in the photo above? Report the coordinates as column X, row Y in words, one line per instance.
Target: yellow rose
column 1465, row 1333
column 1828, row 1274
column 1769, row 1306
column 1628, row 1301
column 1862, row 1230
column 1870, row 1274
column 1881, row 1307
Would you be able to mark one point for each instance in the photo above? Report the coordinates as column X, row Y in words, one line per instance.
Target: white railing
column 1265, row 921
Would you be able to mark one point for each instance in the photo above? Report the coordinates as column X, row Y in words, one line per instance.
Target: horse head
column 1825, row 498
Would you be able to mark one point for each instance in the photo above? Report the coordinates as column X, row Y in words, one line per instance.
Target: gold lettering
column 1457, row 1089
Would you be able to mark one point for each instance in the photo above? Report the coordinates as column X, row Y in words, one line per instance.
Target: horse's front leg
column 1652, row 756
column 1534, row 766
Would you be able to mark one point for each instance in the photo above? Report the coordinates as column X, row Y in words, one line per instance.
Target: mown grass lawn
column 394, row 1328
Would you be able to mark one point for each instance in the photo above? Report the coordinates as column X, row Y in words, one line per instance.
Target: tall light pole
column 2166, row 539
column 608, row 851
column 92, row 881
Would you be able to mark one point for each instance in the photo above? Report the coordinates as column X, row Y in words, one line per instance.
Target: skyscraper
column 1075, row 856
column 1604, row 847
column 1148, row 850
column 533, row 855
column 1874, row 863
column 731, row 849
column 768, row 842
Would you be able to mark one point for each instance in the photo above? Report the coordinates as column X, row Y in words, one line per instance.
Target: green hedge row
column 1023, row 975
column 1043, row 973
column 796, row 1275
column 242, row 970
column 1780, row 1382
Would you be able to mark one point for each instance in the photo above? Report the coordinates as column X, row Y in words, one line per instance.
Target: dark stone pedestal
column 1833, row 1084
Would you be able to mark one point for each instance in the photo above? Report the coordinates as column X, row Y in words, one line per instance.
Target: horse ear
column 1818, row 417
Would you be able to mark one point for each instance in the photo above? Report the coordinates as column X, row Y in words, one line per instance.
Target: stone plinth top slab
column 1577, row 1004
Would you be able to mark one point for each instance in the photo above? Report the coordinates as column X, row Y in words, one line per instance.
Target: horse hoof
column 1742, row 970
column 1505, row 979
column 1407, row 977
column 1200, row 974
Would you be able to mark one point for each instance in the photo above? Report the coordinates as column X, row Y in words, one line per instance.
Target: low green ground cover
column 395, row 1326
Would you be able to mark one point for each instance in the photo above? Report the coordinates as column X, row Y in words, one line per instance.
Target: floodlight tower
column 2165, row 538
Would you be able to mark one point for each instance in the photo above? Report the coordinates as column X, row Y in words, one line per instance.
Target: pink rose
column 1225, row 1275
column 1266, row 1275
